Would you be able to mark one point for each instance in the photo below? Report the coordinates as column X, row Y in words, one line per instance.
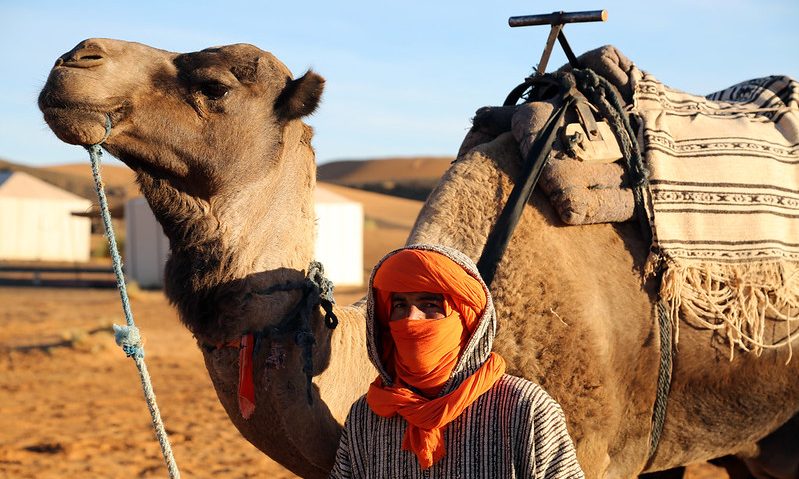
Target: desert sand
column 71, row 404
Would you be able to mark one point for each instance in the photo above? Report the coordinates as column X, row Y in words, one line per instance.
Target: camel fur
column 221, row 154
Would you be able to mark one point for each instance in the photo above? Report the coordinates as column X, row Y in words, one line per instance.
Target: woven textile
column 723, row 204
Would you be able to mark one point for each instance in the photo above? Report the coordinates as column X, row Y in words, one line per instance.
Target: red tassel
column 246, row 386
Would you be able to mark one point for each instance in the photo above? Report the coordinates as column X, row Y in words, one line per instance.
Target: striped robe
column 513, row 430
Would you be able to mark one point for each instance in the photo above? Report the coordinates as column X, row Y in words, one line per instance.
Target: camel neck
column 245, row 238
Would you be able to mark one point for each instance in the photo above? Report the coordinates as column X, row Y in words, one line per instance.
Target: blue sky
column 403, row 78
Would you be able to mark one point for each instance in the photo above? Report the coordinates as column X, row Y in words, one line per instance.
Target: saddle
column 713, row 180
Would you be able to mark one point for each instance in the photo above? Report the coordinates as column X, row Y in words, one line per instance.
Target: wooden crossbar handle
column 556, row 18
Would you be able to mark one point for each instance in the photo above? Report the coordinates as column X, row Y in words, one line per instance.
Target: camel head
column 220, row 153
column 200, row 120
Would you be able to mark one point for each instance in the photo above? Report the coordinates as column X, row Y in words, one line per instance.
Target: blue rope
column 128, row 336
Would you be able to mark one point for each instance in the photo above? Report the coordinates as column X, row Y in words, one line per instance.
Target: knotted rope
column 664, row 378
column 603, row 95
column 128, row 336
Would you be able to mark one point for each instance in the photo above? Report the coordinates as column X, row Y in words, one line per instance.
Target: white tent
column 146, row 246
column 37, row 221
column 339, row 241
column 339, row 237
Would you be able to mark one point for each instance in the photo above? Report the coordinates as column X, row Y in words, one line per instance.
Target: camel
column 221, row 153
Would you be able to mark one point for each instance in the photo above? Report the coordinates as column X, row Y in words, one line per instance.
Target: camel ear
column 300, row 97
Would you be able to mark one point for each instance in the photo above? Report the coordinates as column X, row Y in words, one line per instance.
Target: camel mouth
column 53, row 102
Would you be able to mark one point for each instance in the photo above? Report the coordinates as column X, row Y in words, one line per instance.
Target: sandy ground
column 71, row 404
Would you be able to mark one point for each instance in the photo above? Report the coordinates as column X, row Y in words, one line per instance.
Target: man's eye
column 214, row 90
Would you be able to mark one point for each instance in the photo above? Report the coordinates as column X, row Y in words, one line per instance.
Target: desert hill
column 117, row 176
column 412, row 178
column 397, row 169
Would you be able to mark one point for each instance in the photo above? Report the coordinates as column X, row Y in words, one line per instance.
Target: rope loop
column 316, row 273
column 331, row 320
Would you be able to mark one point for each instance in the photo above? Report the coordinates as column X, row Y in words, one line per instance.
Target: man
column 441, row 405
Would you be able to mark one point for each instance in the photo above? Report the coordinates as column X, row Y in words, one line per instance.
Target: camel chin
column 76, row 127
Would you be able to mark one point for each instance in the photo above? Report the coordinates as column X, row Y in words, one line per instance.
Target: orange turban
column 416, row 271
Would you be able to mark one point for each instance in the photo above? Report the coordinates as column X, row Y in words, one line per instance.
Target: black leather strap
column 500, row 235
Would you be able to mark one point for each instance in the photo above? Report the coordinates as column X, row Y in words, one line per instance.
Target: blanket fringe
column 733, row 299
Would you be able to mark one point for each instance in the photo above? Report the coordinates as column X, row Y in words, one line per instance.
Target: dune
column 387, row 169
column 112, row 174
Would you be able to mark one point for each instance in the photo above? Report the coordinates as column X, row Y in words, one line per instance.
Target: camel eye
column 214, row 90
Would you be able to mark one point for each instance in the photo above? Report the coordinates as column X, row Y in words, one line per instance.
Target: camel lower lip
column 76, row 126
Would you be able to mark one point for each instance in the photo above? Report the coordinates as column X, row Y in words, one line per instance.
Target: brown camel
column 221, row 154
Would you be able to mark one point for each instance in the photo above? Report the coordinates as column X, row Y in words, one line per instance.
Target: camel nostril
column 87, row 54
column 81, row 58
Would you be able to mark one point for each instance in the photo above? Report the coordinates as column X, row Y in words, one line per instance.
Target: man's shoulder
column 523, row 390
column 360, row 408
column 359, row 412
column 516, row 385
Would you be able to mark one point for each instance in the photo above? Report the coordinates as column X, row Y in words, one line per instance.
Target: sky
column 403, row 78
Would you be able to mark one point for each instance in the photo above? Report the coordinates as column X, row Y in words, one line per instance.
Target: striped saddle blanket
column 723, row 205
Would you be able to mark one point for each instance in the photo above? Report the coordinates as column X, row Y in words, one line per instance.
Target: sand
column 72, row 404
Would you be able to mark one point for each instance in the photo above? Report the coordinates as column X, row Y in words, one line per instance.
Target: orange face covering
column 423, row 353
